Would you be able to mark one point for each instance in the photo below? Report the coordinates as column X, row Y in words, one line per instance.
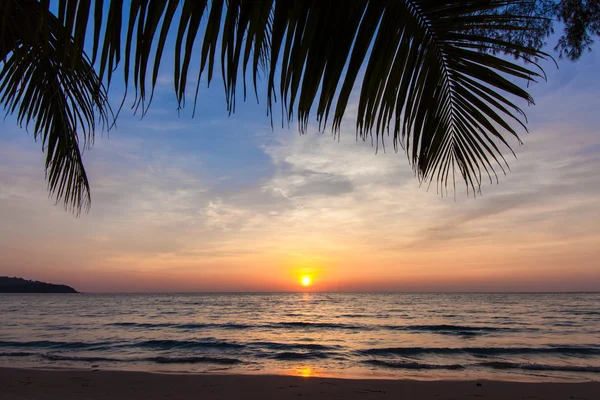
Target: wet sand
column 62, row 384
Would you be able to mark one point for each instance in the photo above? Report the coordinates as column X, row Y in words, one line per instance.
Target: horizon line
column 347, row 292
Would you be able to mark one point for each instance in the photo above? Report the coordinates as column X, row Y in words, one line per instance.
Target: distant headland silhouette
column 20, row 285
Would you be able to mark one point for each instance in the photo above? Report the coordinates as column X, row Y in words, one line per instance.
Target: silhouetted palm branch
column 427, row 76
column 48, row 84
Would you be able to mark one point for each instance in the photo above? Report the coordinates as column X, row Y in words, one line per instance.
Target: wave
column 181, row 326
column 57, row 345
column 317, row 325
column 492, row 365
column 445, row 327
column 461, row 330
column 278, row 325
column 194, row 360
column 539, row 367
column 165, row 344
column 411, row 365
column 442, row 329
column 294, row 346
column 220, row 326
column 580, row 312
column 16, row 354
column 295, row 356
column 142, row 325
column 169, row 344
column 482, row 351
column 187, row 344
column 59, row 328
column 360, row 316
column 291, row 355
column 61, row 357
column 158, row 359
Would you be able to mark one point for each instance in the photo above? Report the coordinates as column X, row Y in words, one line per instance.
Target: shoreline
column 21, row 383
column 307, row 372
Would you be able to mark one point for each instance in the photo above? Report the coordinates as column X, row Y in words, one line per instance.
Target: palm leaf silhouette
column 63, row 100
column 429, row 79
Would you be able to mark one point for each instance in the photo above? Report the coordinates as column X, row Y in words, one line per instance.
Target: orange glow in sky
column 258, row 209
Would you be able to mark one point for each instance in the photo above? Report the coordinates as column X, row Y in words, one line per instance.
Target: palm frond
column 63, row 101
column 428, row 80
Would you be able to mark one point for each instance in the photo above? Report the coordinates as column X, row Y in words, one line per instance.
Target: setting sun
column 306, row 280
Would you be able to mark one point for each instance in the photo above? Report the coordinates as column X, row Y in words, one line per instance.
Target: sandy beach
column 61, row 384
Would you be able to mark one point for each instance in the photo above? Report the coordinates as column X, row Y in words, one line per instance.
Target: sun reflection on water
column 305, row 372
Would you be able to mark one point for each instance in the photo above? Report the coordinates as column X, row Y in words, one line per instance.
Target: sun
column 306, row 280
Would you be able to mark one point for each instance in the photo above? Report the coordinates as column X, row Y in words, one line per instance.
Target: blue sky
column 230, row 203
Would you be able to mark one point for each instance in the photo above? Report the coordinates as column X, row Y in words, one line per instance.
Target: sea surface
column 520, row 337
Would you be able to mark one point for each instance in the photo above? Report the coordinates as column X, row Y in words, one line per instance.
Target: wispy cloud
column 164, row 213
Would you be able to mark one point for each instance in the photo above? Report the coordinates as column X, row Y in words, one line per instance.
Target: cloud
column 554, row 180
column 162, row 209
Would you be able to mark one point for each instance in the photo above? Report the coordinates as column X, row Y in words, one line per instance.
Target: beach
column 71, row 384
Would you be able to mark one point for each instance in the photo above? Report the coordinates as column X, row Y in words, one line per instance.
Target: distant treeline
column 20, row 285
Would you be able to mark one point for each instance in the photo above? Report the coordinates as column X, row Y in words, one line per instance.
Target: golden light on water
column 306, row 280
column 305, row 372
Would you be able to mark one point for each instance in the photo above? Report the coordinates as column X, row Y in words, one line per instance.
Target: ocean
column 502, row 336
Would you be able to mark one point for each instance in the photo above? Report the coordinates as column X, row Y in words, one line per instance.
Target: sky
column 229, row 203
